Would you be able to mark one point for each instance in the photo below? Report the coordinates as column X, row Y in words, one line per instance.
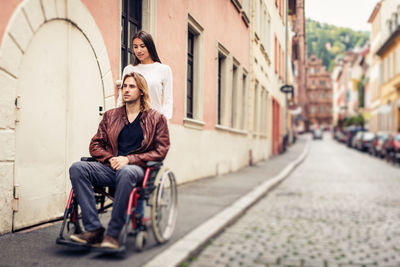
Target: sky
column 352, row 14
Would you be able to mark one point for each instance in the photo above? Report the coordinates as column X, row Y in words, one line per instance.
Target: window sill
column 238, row 131
column 231, row 130
column 193, row 124
column 221, row 128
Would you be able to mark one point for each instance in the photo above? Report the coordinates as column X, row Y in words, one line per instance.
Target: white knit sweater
column 159, row 80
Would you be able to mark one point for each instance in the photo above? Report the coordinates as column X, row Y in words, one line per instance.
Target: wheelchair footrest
column 121, row 249
column 70, row 243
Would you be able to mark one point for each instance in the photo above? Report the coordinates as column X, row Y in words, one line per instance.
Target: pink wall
column 6, row 11
column 222, row 23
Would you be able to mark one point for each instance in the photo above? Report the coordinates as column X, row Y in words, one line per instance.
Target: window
column 386, row 69
column 234, row 106
column 391, row 65
column 255, row 113
column 189, row 92
column 276, row 54
column 221, row 62
column 397, row 60
column 244, row 102
column 131, row 22
column 279, row 60
column 322, row 83
column 264, row 110
column 222, row 87
column 313, row 109
column 194, row 68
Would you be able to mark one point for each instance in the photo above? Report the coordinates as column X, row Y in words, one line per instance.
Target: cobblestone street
column 340, row 207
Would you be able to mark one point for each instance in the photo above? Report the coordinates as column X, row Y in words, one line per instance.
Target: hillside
column 328, row 41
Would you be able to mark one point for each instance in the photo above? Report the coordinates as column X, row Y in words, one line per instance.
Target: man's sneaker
column 92, row 238
column 110, row 242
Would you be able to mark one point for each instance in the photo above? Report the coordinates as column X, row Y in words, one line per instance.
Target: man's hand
column 118, row 162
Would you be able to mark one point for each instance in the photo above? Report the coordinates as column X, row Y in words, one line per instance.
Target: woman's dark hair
column 149, row 43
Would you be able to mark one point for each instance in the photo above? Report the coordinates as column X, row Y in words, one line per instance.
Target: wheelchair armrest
column 88, row 159
column 154, row 164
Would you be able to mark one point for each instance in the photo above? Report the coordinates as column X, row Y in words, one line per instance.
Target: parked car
column 377, row 144
column 366, row 141
column 317, row 134
column 391, row 148
column 356, row 140
column 351, row 132
column 340, row 136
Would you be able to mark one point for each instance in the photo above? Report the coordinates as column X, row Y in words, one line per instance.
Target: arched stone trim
column 28, row 17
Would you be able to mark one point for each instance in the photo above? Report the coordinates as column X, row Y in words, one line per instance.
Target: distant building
column 342, row 88
column 319, row 93
column 299, row 56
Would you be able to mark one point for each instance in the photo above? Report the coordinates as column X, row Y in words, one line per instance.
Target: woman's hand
column 118, row 162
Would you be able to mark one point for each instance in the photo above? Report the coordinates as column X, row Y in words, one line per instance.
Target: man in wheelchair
column 127, row 138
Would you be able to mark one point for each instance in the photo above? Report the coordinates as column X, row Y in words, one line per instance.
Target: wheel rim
column 165, row 207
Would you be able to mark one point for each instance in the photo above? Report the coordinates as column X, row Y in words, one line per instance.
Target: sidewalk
column 205, row 208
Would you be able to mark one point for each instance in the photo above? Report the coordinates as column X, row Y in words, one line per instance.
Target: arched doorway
column 60, row 92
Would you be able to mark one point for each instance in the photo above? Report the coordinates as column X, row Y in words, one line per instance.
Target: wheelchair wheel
column 164, row 203
column 141, row 240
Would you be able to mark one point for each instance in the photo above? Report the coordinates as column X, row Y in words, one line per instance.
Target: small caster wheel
column 141, row 239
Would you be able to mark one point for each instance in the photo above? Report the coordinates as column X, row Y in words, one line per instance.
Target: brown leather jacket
column 155, row 144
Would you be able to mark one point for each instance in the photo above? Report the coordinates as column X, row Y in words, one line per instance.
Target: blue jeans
column 84, row 175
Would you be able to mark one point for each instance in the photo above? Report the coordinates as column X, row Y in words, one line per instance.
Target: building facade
column 269, row 71
column 60, row 63
column 319, row 93
column 299, row 59
column 383, row 72
column 389, row 54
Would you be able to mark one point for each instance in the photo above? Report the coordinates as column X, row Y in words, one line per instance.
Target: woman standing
column 157, row 75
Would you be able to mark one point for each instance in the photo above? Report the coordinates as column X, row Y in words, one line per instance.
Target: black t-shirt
column 130, row 138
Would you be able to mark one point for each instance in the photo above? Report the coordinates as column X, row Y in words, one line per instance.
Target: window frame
column 126, row 50
column 195, row 119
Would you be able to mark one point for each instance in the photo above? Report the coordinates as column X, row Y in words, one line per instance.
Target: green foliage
column 329, row 41
column 357, row 120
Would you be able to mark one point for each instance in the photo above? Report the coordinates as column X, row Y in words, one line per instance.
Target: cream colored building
column 389, row 55
column 384, row 11
column 268, row 66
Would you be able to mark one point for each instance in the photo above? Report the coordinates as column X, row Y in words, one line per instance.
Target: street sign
column 287, row 89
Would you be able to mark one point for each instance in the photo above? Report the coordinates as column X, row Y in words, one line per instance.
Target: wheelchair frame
column 157, row 180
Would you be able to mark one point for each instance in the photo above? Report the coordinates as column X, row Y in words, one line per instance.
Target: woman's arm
column 167, row 93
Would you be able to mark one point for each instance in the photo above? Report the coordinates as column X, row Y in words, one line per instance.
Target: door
column 59, row 91
column 275, row 127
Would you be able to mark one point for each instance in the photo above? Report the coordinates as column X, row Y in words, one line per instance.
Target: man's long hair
column 143, row 88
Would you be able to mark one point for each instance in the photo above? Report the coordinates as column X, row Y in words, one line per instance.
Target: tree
column 328, row 41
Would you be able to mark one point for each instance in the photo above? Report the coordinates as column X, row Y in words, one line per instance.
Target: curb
column 185, row 247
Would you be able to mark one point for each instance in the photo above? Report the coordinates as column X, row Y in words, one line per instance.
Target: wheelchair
column 158, row 191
